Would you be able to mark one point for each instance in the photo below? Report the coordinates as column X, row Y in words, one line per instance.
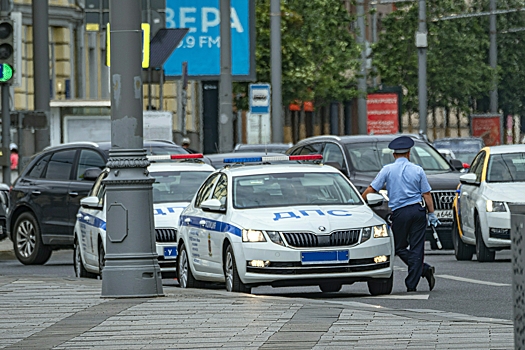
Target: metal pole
column 421, row 44
column 361, row 81
column 6, row 134
column 161, row 89
column 276, row 74
column 493, row 56
column 131, row 268
column 41, row 79
column 374, row 35
column 225, row 88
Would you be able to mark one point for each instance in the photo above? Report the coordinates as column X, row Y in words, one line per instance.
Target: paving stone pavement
column 61, row 313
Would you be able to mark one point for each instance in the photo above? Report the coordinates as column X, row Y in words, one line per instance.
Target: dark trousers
column 409, row 225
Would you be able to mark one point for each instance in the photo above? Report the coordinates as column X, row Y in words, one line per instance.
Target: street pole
column 374, row 37
column 131, row 268
column 493, row 57
column 361, row 82
column 225, row 87
column 6, row 116
column 276, row 67
column 422, row 45
column 41, row 78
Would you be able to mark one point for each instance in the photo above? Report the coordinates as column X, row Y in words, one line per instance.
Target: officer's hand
column 433, row 220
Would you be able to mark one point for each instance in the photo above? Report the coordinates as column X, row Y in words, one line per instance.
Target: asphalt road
column 473, row 288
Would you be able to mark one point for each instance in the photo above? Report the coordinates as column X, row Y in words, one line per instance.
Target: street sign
column 382, row 113
column 260, row 98
column 145, row 45
column 487, row 126
column 201, row 46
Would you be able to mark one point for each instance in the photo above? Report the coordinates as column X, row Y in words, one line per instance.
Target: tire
column 101, row 259
column 185, row 276
column 233, row 281
column 330, row 287
column 462, row 251
column 27, row 241
column 78, row 265
column 381, row 286
column 483, row 253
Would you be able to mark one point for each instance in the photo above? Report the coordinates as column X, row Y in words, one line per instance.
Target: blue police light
column 273, row 158
column 243, row 160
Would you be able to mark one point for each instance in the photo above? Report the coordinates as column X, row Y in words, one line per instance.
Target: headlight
column 495, row 206
column 365, row 234
column 384, row 193
column 380, row 231
column 275, row 237
column 253, row 236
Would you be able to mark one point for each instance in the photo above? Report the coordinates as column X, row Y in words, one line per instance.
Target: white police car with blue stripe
column 175, row 185
column 283, row 225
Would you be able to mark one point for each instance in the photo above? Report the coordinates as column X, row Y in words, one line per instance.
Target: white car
column 175, row 185
column 482, row 217
column 283, row 225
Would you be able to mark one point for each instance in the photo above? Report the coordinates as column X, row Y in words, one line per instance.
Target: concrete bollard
column 517, row 226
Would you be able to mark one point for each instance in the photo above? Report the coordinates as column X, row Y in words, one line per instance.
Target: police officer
column 407, row 184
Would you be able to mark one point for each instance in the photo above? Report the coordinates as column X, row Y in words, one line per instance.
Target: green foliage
column 319, row 52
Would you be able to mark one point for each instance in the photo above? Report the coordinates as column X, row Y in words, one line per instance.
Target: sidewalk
column 60, row 313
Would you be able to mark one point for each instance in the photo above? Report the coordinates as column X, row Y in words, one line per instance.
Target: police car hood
column 505, row 191
column 167, row 214
column 310, row 218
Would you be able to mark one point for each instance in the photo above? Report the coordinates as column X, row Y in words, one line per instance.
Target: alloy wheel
column 183, row 269
column 228, row 269
column 26, row 238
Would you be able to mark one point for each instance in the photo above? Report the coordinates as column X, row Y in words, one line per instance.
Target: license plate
column 325, row 257
column 170, row 252
column 443, row 214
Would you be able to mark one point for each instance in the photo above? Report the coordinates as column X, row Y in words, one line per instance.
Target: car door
column 469, row 193
column 215, row 224
column 333, row 155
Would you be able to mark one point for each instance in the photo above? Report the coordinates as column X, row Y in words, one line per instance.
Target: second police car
column 283, row 225
column 174, row 187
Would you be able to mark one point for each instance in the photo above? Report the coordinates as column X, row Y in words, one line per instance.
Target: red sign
column 383, row 114
column 488, row 127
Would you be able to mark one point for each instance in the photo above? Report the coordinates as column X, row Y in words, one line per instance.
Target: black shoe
column 429, row 275
column 411, row 290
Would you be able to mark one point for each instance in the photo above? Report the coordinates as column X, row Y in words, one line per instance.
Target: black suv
column 361, row 157
column 46, row 196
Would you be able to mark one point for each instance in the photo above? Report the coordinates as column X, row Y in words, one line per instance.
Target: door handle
column 202, row 222
column 73, row 194
column 187, row 221
column 36, row 192
column 79, row 216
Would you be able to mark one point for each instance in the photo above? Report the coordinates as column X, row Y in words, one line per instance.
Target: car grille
column 443, row 199
column 166, row 235
column 311, row 240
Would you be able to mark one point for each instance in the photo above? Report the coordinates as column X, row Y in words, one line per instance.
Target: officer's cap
column 402, row 144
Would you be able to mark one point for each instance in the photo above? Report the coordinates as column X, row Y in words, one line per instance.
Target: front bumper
column 167, row 257
column 286, row 268
column 496, row 231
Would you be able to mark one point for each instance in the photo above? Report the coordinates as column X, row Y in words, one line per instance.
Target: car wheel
column 101, row 259
column 185, row 276
column 330, row 287
column 483, row 253
column 27, row 241
column 381, row 286
column 462, row 251
column 80, row 270
column 233, row 281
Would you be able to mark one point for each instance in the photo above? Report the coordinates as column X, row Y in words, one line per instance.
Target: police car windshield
column 289, row 189
column 176, row 186
column 508, row 167
column 373, row 156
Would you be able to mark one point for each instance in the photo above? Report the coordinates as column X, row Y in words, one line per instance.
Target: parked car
column 4, row 208
column 361, row 157
column 46, row 196
column 481, row 214
column 269, row 147
column 464, row 148
column 216, row 160
column 174, row 187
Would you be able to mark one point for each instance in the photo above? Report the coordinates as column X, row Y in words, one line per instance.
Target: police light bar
column 265, row 159
column 175, row 156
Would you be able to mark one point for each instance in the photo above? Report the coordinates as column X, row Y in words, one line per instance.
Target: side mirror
column 374, row 199
column 90, row 203
column 212, row 205
column 91, row 174
column 456, row 164
column 470, row 179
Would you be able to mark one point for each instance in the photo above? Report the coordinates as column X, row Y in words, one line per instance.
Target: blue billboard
column 201, row 45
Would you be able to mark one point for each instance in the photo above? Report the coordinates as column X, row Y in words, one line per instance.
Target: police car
column 174, row 187
column 283, row 225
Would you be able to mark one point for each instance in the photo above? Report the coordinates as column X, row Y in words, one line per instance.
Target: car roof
column 358, row 138
column 242, row 170
column 506, row 149
column 180, row 166
column 106, row 145
column 459, row 138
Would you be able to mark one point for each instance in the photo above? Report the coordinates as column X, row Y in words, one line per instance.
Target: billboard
column 201, row 45
column 382, row 113
column 487, row 126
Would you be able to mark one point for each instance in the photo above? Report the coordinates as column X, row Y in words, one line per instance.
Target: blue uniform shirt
column 405, row 183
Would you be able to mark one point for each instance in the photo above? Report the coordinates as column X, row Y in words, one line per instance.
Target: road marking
column 469, row 280
column 409, row 296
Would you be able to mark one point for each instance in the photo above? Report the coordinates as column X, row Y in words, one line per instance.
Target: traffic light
column 7, row 56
